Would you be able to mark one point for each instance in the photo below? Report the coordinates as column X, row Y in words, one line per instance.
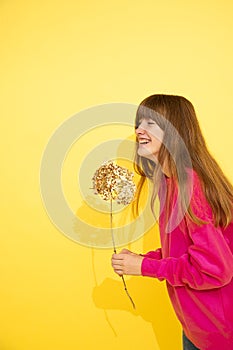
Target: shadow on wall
column 147, row 294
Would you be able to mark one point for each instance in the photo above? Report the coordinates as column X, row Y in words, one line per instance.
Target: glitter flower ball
column 111, row 181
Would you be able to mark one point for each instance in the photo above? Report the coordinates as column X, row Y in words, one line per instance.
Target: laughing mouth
column 143, row 142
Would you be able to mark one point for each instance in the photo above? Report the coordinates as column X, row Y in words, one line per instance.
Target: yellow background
column 60, row 57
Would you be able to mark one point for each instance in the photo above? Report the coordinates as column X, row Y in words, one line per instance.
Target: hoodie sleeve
column 208, row 262
column 153, row 254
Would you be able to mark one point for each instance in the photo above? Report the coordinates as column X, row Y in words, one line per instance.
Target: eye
column 151, row 123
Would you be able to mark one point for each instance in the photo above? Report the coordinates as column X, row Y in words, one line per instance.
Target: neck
column 164, row 168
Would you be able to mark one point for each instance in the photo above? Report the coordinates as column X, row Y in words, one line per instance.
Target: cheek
column 157, row 144
column 156, row 133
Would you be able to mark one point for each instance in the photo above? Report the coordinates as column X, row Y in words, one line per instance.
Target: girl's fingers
column 118, row 263
column 116, row 266
column 119, row 272
column 117, row 256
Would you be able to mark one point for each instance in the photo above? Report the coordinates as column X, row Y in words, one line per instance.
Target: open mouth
column 143, row 142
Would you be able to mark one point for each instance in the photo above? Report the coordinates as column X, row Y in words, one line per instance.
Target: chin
column 143, row 153
column 147, row 155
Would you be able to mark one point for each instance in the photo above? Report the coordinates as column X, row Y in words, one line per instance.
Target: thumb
column 126, row 251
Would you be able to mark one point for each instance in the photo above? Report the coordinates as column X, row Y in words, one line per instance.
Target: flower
column 112, row 181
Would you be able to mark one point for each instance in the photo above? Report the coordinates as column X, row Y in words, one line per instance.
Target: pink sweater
column 197, row 263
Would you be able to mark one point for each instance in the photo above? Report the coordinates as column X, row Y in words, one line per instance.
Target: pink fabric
column 154, row 254
column 197, row 263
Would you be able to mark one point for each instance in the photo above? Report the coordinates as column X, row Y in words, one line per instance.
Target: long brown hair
column 179, row 122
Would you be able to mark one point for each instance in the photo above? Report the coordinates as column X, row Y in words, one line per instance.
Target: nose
column 139, row 130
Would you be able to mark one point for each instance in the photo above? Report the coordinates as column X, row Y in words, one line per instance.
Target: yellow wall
column 60, row 57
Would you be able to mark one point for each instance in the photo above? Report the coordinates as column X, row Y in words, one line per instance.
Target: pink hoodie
column 197, row 263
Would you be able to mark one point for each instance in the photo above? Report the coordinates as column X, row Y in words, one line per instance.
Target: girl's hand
column 127, row 263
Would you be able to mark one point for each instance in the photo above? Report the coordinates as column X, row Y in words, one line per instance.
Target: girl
column 196, row 222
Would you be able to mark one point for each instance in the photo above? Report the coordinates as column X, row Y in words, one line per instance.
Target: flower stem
column 114, row 249
column 126, row 290
column 113, row 240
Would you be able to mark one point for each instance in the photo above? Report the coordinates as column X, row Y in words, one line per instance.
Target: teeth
column 143, row 142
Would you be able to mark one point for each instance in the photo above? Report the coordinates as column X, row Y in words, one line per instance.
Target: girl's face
column 150, row 138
